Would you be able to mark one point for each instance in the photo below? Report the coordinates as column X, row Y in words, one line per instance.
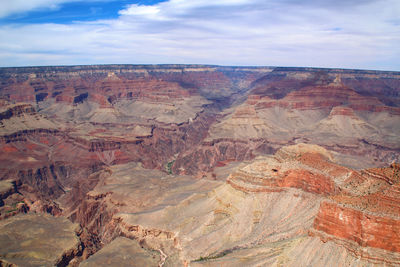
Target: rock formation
column 180, row 165
column 123, row 252
column 38, row 240
column 268, row 207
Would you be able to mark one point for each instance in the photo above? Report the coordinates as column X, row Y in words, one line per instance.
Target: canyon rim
column 199, row 165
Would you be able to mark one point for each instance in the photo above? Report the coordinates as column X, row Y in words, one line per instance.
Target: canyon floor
column 197, row 165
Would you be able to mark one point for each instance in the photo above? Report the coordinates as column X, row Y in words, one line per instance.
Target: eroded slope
column 145, row 153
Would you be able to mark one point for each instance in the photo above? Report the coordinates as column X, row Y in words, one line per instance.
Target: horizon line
column 198, row 65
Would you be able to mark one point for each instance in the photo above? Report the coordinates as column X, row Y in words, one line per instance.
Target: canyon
column 199, row 165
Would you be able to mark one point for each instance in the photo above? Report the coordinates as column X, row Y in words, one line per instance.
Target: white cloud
column 141, row 10
column 238, row 32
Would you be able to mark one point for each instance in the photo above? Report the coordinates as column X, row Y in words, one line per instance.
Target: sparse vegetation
column 219, row 255
column 200, row 259
column 14, row 207
column 169, row 166
column 12, row 210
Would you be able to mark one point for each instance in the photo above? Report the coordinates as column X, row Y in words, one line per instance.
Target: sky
column 361, row 34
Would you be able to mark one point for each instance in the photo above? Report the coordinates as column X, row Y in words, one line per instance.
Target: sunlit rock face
column 180, row 165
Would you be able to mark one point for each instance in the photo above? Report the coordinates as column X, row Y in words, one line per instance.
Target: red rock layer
column 308, row 181
column 363, row 210
column 367, row 216
column 382, row 196
column 16, row 110
column 302, row 89
column 104, row 84
column 365, row 229
column 322, row 97
column 321, row 163
column 373, row 84
column 276, row 179
column 343, row 111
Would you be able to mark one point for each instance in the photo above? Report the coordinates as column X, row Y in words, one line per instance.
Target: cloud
column 338, row 4
column 237, row 32
column 140, row 10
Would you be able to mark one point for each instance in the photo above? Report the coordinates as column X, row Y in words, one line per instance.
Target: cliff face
column 120, row 149
column 366, row 219
column 314, row 106
column 358, row 228
column 293, row 203
column 105, row 84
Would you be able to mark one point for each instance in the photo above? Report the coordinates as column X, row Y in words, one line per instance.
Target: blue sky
column 71, row 11
column 361, row 34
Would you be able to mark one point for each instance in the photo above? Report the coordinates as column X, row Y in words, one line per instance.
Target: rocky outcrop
column 366, row 235
column 123, row 252
column 342, row 111
column 364, row 229
column 362, row 213
column 365, row 219
column 11, row 203
column 16, row 110
column 37, row 240
column 46, row 180
column 276, row 173
column 210, row 153
column 7, row 188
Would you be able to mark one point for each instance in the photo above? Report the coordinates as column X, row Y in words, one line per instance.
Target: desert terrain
column 199, row 165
